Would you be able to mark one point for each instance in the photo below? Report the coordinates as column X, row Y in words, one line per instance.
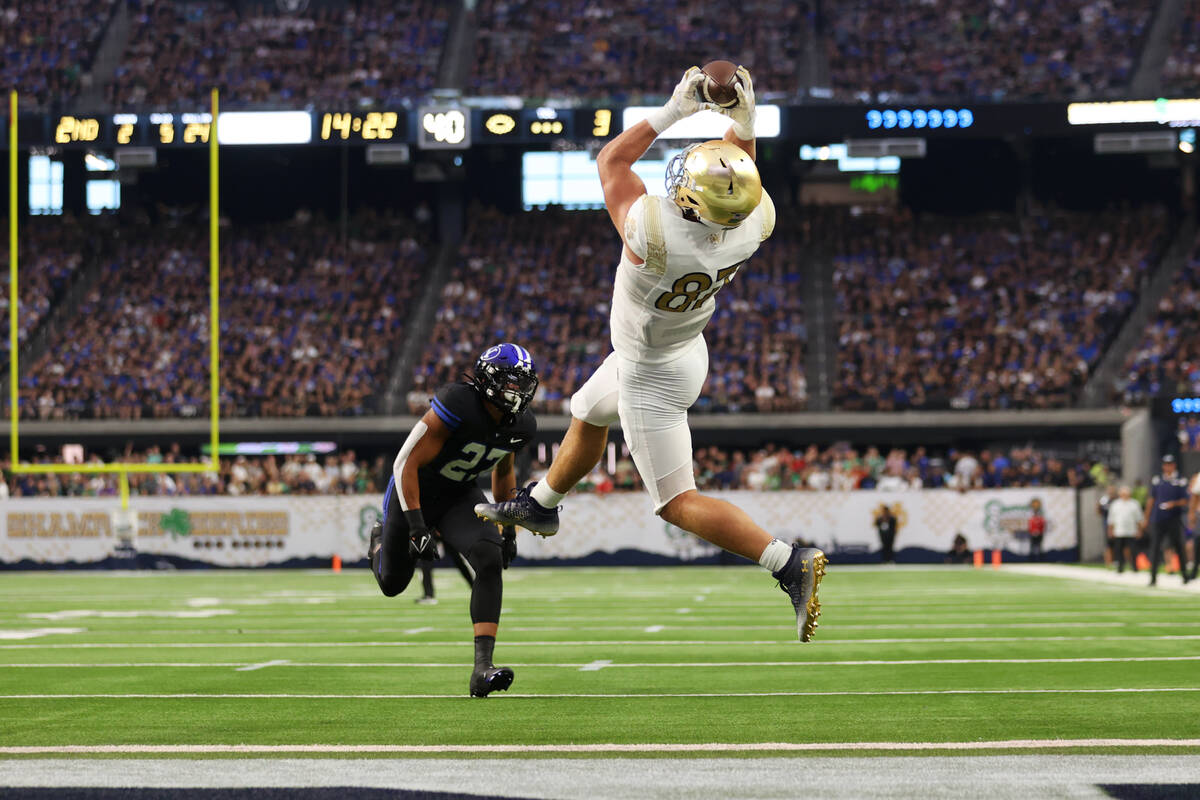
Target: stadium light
column 265, row 127
column 1162, row 111
column 706, row 124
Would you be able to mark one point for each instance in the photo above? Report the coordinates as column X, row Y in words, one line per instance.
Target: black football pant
column 888, row 542
column 1122, row 545
column 1035, row 548
column 1164, row 533
column 464, row 535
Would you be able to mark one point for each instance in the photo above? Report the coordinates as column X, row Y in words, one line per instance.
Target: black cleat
column 800, row 578
column 376, row 542
column 490, row 679
column 374, row 547
column 521, row 509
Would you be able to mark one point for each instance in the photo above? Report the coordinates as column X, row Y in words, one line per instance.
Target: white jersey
column 1124, row 517
column 661, row 306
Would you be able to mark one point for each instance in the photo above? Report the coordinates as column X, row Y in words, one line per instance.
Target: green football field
column 905, row 658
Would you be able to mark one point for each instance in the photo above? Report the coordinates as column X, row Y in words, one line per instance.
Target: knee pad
column 484, row 557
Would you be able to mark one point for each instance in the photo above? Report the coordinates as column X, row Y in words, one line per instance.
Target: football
column 718, row 87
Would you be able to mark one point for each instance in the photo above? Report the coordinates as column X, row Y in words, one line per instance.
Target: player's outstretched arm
column 741, row 132
column 622, row 187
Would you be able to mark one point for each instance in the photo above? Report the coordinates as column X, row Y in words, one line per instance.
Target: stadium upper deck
column 360, row 53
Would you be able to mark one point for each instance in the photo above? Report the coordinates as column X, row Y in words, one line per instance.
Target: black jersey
column 477, row 442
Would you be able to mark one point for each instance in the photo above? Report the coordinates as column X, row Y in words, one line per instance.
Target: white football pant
column 651, row 403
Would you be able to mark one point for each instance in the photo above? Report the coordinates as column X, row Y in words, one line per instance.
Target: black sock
column 483, row 651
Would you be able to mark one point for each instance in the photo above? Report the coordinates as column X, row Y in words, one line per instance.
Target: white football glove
column 742, row 114
column 684, row 102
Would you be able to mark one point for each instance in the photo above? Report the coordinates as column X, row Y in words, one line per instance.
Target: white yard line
column 252, row 667
column 1132, row 580
column 594, row 696
column 597, row 643
column 595, row 666
column 204, row 749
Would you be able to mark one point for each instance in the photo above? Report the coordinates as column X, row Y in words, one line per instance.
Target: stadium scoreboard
column 452, row 126
column 182, row 129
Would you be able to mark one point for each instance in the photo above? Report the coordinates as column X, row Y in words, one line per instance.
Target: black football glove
column 508, row 550
column 423, row 545
column 421, row 542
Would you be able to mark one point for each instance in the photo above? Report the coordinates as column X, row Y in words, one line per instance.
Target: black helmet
column 505, row 375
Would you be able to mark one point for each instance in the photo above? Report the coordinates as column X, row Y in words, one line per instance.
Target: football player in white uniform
column 679, row 252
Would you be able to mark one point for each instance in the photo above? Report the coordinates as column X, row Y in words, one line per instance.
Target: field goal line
column 122, row 469
column 709, row 747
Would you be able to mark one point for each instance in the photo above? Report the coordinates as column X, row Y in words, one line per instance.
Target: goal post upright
column 121, row 469
column 13, row 293
column 214, row 277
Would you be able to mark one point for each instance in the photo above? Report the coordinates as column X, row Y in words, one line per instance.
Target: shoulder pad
column 768, row 221
column 453, row 402
column 635, row 227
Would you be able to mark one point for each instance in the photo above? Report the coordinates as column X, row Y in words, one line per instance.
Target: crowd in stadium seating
column 1181, row 73
column 981, row 313
column 371, row 52
column 630, row 49
column 303, row 474
column 1167, row 360
column 918, row 49
column 773, row 467
column 375, row 52
column 48, row 47
column 842, row 467
column 545, row 280
column 1189, row 434
column 51, row 253
column 309, row 327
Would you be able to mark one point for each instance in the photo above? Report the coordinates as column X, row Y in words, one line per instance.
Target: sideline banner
column 265, row 531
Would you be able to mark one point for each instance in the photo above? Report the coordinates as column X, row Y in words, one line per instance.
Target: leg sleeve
column 479, row 542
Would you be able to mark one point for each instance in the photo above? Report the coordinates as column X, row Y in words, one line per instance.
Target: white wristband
column 662, row 118
column 744, row 132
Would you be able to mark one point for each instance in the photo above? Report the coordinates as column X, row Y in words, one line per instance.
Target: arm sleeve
column 414, row 436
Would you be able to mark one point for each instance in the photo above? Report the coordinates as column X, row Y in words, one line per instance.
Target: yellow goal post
column 122, row 469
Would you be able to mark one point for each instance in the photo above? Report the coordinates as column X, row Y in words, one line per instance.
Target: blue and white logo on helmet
column 508, row 355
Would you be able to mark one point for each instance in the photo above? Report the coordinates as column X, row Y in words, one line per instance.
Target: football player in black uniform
column 471, row 428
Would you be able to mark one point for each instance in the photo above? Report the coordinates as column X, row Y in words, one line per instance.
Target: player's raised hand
column 684, row 102
column 743, row 113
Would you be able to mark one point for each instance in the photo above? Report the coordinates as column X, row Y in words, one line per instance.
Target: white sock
column 546, row 497
column 775, row 555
